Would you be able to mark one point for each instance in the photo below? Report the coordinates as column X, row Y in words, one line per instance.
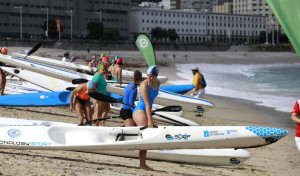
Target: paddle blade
column 34, row 49
column 170, row 109
column 70, row 88
column 103, row 97
column 79, row 81
column 145, row 46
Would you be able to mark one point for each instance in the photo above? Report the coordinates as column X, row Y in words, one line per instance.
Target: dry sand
column 280, row 158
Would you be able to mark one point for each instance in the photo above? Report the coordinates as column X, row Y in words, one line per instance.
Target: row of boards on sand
column 44, row 76
column 221, row 157
column 127, row 75
column 62, row 98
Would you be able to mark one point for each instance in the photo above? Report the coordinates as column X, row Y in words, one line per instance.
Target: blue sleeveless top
column 152, row 95
column 129, row 96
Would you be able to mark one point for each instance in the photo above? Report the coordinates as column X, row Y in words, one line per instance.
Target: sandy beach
column 280, row 158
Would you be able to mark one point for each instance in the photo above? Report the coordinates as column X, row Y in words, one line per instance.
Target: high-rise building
column 257, row 7
column 112, row 13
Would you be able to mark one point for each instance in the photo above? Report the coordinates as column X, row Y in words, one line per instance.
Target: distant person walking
column 174, row 56
column 185, row 57
column 296, row 118
column 199, row 82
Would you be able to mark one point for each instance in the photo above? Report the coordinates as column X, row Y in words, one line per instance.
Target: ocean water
column 271, row 85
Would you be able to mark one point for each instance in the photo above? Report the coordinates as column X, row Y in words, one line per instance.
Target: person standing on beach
column 129, row 98
column 118, row 71
column 296, row 118
column 66, row 57
column 199, row 90
column 3, row 50
column 100, row 109
column 142, row 113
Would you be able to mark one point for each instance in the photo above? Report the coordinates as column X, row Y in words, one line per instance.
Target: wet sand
column 280, row 158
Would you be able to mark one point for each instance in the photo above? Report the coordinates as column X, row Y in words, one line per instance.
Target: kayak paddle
column 107, row 98
column 34, row 49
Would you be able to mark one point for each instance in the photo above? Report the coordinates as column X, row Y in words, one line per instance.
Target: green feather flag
column 287, row 13
column 145, row 46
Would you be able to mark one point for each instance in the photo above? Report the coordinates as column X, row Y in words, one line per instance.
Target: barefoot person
column 142, row 114
column 3, row 50
column 82, row 101
column 129, row 98
column 99, row 107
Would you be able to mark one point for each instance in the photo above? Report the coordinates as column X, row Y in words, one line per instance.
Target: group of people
column 141, row 115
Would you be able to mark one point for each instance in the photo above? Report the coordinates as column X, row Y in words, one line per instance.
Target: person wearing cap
column 142, row 113
column 110, row 69
column 100, row 108
column 113, row 68
column 198, row 91
column 73, row 59
column 82, row 101
column 118, row 71
column 3, row 50
column 66, row 57
column 129, row 97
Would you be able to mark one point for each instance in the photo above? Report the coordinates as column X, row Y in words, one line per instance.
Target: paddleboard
column 179, row 89
column 59, row 74
column 222, row 157
column 46, row 82
column 89, row 138
column 63, row 74
column 126, row 74
column 15, row 86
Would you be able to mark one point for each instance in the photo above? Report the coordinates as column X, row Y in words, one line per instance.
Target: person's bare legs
column 79, row 111
column 101, row 112
column 140, row 119
column 96, row 111
column 128, row 122
column 87, row 111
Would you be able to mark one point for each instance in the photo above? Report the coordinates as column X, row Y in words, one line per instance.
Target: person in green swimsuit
column 100, row 110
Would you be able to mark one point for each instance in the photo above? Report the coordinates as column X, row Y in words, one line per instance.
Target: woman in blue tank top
column 129, row 98
column 142, row 114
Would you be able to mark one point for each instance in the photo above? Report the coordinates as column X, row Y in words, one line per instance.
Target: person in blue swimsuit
column 129, row 98
column 142, row 114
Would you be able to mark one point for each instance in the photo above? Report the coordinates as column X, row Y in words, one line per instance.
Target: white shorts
column 297, row 139
column 199, row 93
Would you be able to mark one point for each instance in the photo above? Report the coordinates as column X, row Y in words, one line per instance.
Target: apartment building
column 197, row 26
column 112, row 13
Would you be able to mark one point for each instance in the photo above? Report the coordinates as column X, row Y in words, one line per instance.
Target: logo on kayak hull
column 14, row 133
column 178, row 137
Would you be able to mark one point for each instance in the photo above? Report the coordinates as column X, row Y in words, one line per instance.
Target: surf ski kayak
column 89, row 138
column 126, row 74
column 221, row 157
